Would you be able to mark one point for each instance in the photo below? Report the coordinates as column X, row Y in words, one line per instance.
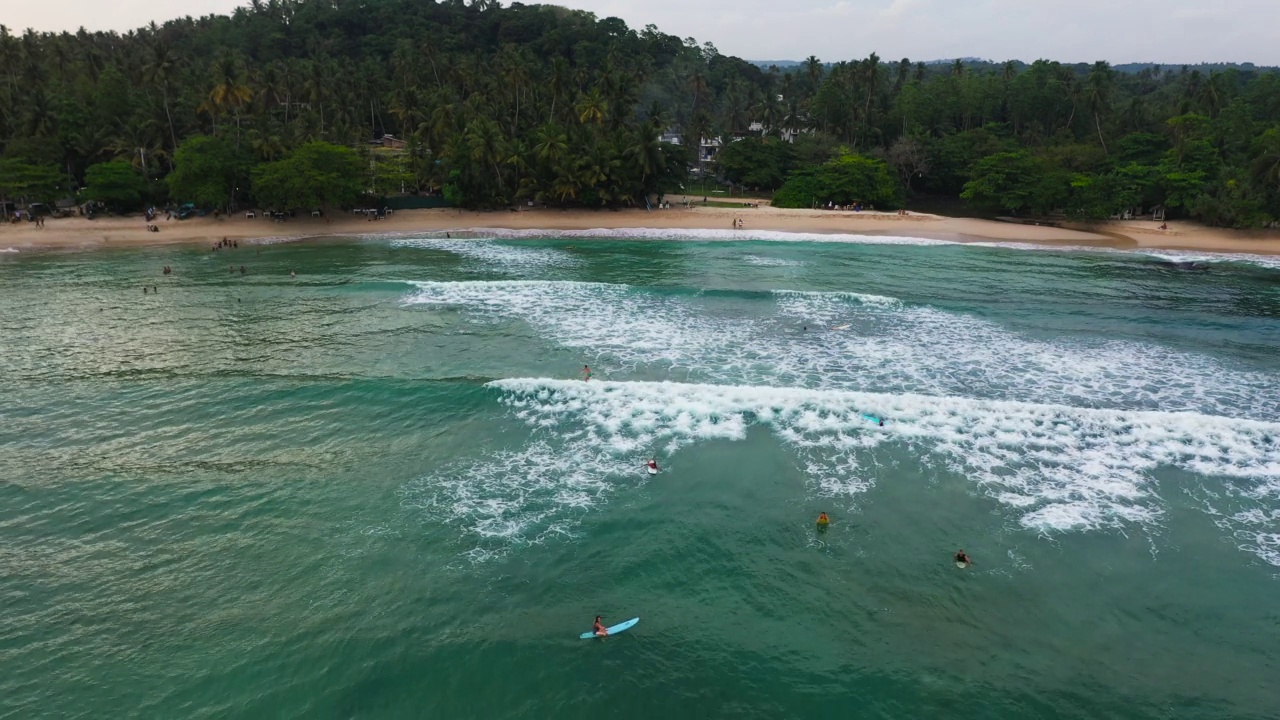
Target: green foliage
column 390, row 173
column 316, row 175
column 30, row 183
column 115, row 183
column 756, row 162
column 207, row 171
column 952, row 157
column 845, row 180
column 1018, row 182
column 539, row 102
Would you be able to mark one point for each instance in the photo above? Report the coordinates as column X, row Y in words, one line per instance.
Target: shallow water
column 381, row 489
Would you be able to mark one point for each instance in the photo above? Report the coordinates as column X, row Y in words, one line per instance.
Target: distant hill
column 1128, row 68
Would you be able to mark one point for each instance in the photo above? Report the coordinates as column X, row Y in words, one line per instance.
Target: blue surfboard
column 613, row 630
column 872, row 418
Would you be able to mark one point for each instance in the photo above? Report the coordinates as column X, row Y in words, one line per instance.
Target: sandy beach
column 80, row 233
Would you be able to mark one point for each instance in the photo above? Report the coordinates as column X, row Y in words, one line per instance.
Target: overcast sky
column 1164, row 31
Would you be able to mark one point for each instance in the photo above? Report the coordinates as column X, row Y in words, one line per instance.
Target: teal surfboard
column 613, row 630
column 872, row 418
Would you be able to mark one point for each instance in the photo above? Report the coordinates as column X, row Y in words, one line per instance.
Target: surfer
column 962, row 558
column 586, row 373
column 823, row 520
column 652, row 464
column 598, row 628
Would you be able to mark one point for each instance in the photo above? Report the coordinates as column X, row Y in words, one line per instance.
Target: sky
column 1169, row 32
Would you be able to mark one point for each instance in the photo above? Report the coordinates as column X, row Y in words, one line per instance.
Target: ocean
column 382, row 489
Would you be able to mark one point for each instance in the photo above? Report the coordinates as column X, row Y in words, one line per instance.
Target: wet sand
column 80, row 233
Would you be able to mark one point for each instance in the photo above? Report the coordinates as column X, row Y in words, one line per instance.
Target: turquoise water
column 381, row 489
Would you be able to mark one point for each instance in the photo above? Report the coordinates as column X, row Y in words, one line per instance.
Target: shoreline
column 121, row 232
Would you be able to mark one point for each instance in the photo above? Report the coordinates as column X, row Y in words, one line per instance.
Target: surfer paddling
column 598, row 628
column 652, row 465
column 962, row 559
column 823, row 520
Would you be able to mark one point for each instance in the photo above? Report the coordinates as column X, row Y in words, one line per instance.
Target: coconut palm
column 592, row 107
column 1099, row 87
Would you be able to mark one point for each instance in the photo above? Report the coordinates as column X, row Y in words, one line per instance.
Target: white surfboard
column 652, row 471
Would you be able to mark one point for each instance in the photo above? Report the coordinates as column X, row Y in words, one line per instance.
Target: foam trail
column 1174, row 256
column 688, row 234
column 890, row 346
column 765, row 261
column 505, row 257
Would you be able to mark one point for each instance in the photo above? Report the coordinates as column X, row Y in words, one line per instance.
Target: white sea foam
column 693, row 234
column 515, row 258
column 1055, row 468
column 705, row 235
column 888, row 346
column 765, row 261
column 9, row 250
column 1173, row 256
column 1188, row 256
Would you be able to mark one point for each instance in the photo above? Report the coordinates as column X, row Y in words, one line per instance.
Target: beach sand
column 80, row 233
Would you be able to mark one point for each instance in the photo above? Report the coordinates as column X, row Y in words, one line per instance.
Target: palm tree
column 552, row 144
column 698, row 85
column 1099, row 87
column 1266, row 166
column 1212, row 95
column 871, row 74
column 229, row 92
column 485, row 145
column 559, row 80
column 646, row 156
column 315, row 86
column 813, row 70
column 592, row 107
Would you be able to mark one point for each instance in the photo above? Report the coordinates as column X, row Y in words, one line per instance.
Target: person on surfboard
column 961, row 557
column 823, row 520
column 598, row 628
column 652, row 464
column 586, row 373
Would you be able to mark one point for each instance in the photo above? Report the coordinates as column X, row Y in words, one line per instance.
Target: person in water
column 653, row 464
column 598, row 628
column 961, row 557
column 823, row 520
column 586, row 373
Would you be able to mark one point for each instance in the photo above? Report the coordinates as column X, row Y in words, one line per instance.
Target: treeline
column 501, row 105
column 1048, row 139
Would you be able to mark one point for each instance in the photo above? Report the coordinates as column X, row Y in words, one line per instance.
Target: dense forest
column 280, row 105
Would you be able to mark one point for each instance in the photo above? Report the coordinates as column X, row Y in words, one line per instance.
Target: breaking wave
column 1055, row 468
